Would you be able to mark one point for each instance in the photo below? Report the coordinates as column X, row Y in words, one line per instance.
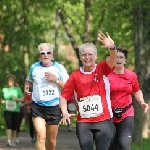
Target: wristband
column 114, row 48
column 57, row 81
column 141, row 102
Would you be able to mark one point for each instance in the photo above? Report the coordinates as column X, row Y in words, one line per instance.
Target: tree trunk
column 56, row 35
column 141, row 48
column 137, row 15
column 68, row 29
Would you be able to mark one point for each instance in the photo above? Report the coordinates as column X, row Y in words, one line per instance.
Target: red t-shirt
column 88, row 84
column 28, row 98
column 121, row 88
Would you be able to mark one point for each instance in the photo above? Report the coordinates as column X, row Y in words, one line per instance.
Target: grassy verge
column 145, row 145
column 2, row 130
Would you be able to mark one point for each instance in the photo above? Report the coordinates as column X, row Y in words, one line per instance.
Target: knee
column 41, row 137
column 125, row 143
column 52, row 142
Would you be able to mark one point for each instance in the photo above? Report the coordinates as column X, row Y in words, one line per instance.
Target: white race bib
column 10, row 105
column 90, row 106
column 48, row 91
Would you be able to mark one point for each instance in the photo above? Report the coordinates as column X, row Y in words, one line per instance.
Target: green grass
column 145, row 145
column 2, row 131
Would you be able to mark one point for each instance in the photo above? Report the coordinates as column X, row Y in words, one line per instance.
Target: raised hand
column 105, row 40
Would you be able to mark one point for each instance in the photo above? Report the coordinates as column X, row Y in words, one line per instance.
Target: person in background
column 12, row 95
column 124, row 83
column 92, row 92
column 47, row 78
column 20, row 117
column 28, row 101
column 71, row 107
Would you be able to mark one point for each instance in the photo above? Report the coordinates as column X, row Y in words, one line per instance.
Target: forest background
column 67, row 24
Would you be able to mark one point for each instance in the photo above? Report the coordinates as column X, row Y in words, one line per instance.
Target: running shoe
column 8, row 144
column 13, row 144
column 16, row 140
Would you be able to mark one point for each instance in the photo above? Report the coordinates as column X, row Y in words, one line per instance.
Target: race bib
column 90, row 106
column 10, row 105
column 48, row 92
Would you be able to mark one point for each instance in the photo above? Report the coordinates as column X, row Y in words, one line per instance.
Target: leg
column 51, row 135
column 39, row 124
column 8, row 134
column 125, row 132
column 31, row 127
column 8, row 119
column 52, row 127
column 103, row 134
column 114, row 140
column 15, row 118
column 20, row 117
column 84, row 135
column 52, row 116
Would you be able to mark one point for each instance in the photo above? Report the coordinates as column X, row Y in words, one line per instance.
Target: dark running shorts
column 51, row 114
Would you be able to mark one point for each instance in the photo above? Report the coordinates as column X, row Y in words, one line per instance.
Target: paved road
column 65, row 141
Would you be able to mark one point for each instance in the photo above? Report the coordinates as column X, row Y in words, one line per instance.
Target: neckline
column 82, row 70
column 119, row 72
column 53, row 62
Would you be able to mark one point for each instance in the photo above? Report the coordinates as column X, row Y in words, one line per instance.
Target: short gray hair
column 45, row 44
column 81, row 48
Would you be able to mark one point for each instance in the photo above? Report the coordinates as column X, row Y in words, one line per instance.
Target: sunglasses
column 44, row 53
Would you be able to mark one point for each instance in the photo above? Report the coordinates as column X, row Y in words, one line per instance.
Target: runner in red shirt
column 123, row 83
column 91, row 87
column 71, row 108
column 28, row 101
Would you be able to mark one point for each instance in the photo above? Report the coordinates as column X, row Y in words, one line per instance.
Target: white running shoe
column 8, row 144
column 13, row 144
column 16, row 140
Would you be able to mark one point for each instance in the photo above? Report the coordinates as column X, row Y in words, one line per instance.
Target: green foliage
column 2, row 132
column 27, row 23
column 2, row 121
column 144, row 146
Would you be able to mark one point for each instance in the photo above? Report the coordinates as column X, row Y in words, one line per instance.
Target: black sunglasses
column 44, row 53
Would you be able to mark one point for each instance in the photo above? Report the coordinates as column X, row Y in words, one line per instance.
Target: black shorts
column 11, row 119
column 51, row 114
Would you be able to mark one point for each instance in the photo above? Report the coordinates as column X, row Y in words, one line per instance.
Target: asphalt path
column 65, row 141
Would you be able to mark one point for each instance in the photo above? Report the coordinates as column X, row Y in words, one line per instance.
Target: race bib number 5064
column 90, row 106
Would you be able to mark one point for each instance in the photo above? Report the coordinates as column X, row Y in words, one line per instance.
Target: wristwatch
column 114, row 48
column 57, row 81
